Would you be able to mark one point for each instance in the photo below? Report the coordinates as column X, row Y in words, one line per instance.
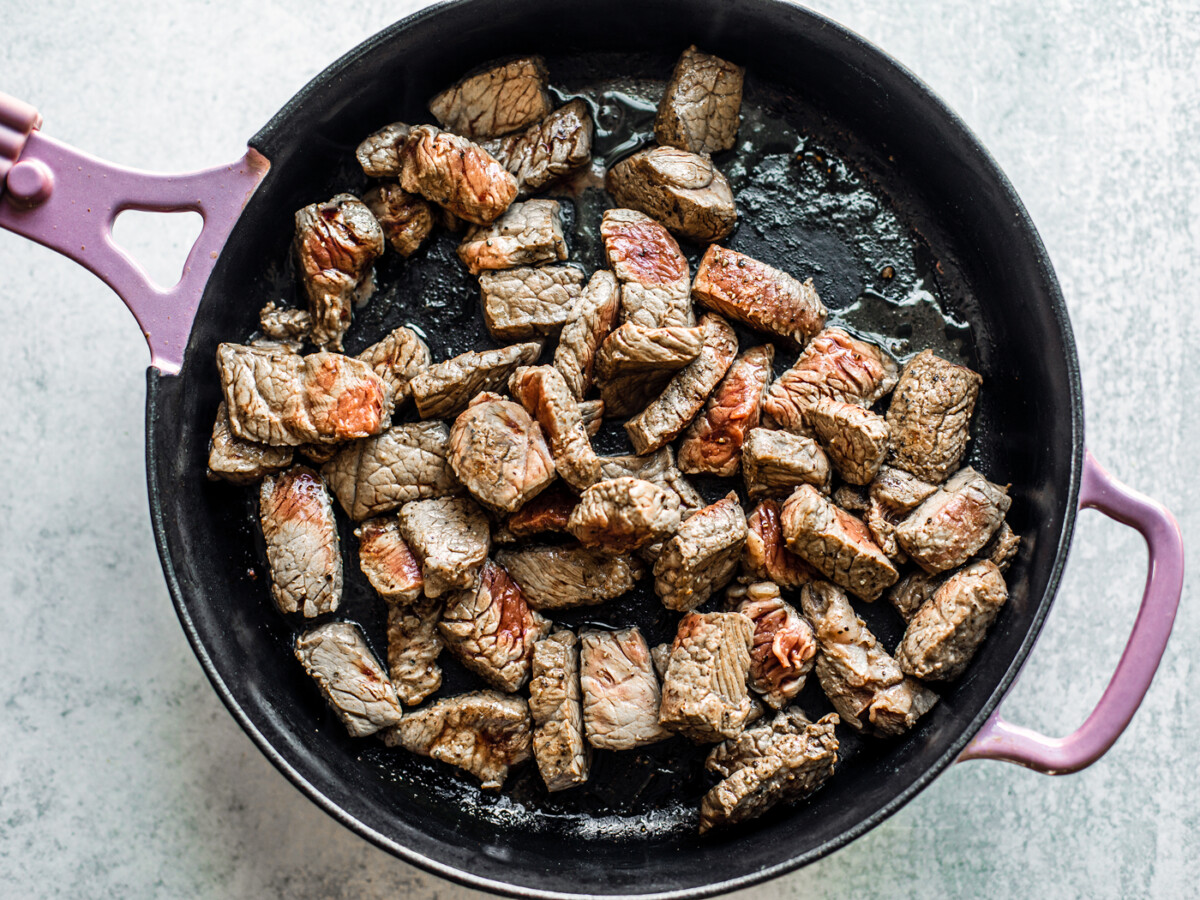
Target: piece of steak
column 855, row 439
column 655, row 280
column 555, row 702
column 634, row 348
column 564, row 577
column 713, row 444
column 621, row 695
column 591, row 412
column 450, row 536
column 701, row 106
column 238, row 461
column 900, row 491
column 298, row 527
column 380, row 152
column 545, row 395
column 684, row 191
column 399, row 358
column 910, row 593
column 500, row 99
column 350, row 678
column 954, row 523
column 456, row 174
column 387, row 562
column 704, row 694
column 548, row 512
column 702, row 556
column 444, row 389
column 624, row 514
column 547, row 150
column 498, row 451
column 767, row 557
column 283, row 324
column 527, row 234
column 774, row 463
column 406, row 219
column 658, row 468
column 1003, row 547
column 528, row 302
column 414, row 646
column 784, row 647
column 930, row 416
column 588, row 323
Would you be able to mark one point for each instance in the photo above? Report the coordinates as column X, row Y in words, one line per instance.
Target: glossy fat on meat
column 414, row 646
column 405, row 463
column 701, row 106
column 704, row 694
column 943, row 636
column 528, row 302
column 555, row 702
column 930, row 416
column 954, row 523
column 545, row 395
column 380, row 152
column 238, row 461
column 564, row 577
column 713, row 444
column 548, row 512
column 547, row 150
column 777, row 462
column 767, row 557
column 855, row 439
column 458, row 175
column 499, row 452
column 500, row 99
column 634, row 348
column 398, row 358
column 624, row 514
column 702, row 556
column 406, row 219
column 527, row 234
column 621, row 695
column 451, row 537
column 390, row 566
column 284, row 399
column 482, row 732
column 491, row 629
column 353, row 683
column 300, row 532
column 658, row 468
column 655, row 279
column 444, row 389
column 682, row 190
column 282, row 324
column 336, row 243
column 784, row 647
column 588, row 323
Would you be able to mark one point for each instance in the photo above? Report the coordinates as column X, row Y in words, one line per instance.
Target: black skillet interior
column 852, row 167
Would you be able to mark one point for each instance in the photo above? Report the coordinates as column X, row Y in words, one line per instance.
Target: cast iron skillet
column 981, row 254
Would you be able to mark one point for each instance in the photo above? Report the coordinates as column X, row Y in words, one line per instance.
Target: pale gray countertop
column 122, row 775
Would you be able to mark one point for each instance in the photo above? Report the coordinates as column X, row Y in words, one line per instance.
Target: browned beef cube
column 398, row 359
column 414, row 646
column 564, row 577
column 406, row 219
column 443, row 390
column 456, row 174
column 702, row 556
column 547, row 150
column 655, row 280
column 624, row 514
column 499, row 452
column 387, row 562
column 777, row 462
column 621, row 695
column 784, row 647
column 900, row 491
column 528, row 302
column 351, row 679
column 549, row 511
column 450, row 536
column 701, row 105
column 280, row 324
column 910, row 593
column 855, row 439
column 634, row 348
column 555, row 701
column 296, row 515
column 545, row 395
column 657, row 468
column 588, row 324
column 714, row 440
column 704, row 693
column 500, row 99
column 527, row 234
column 238, row 461
column 930, row 416
column 682, row 190
column 592, row 414
column 951, row 525
column 1002, row 548
column 767, row 557
column 379, row 153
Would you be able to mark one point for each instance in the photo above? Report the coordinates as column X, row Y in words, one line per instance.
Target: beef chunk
column 855, row 439
column 546, row 397
column 833, row 365
column 767, row 557
column 714, row 440
column 398, row 359
column 589, row 322
column 704, row 691
column 500, row 99
column 665, row 418
column 456, row 174
column 380, row 153
column 1002, row 548
column 350, row 678
column 702, row 104
column 591, row 412
column 777, row 462
column 526, row 302
column 563, row 577
column 930, row 416
column 481, row 732
column 682, row 190
column 951, row 525
column 406, row 219
column 492, row 630
column 620, row 691
column 497, row 450
column 555, row 702
column 634, row 348
column 702, row 556
column 387, row 562
column 784, row 646
column 655, row 280
column 284, row 399
column 624, row 514
column 881, row 523
column 300, row 532
column 898, row 490
column 547, row 150
column 657, row 468
column 947, row 630
column 835, row 544
column 527, row 234
column 414, row 646
column 450, row 536
column 280, row 324
column 444, row 389
column 910, row 593
column 408, row 462
column 549, row 511
column 238, row 461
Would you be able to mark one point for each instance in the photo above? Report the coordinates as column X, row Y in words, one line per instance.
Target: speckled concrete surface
column 121, row 774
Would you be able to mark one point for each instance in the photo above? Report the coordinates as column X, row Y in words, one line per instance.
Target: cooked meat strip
column 336, row 243
column 666, row 418
column 498, row 451
column 655, row 280
column 778, row 762
column 910, row 593
column 621, row 696
column 296, row 515
column 835, row 544
column 898, row 490
column 549, row 149
column 501, row 99
column 405, row 463
column 545, row 395
column 714, row 440
column 624, row 514
column 1002, row 548
column 380, row 153
column 492, row 630
column 525, row 302
column 767, row 557
column 588, row 323
column 450, row 536
column 549, row 511
column 555, row 702
column 527, row 234
column 784, row 647
column 682, row 190
column 481, row 732
column 282, row 324
column 703, row 555
column 634, row 348
column 776, row 462
column 444, row 389
column 284, row 399
column 337, row 657
column 701, row 105
column 833, row 365
column 564, row 577
column 238, row 461
column 397, row 359
column 950, row 526
column 657, row 468
column 930, row 416
column 855, row 439
column 406, row 219
column 413, row 648
column 456, row 174
column 704, row 693
column 591, row 413
column 387, row 562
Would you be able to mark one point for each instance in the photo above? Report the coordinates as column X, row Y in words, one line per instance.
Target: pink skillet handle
column 68, row 200
column 1164, row 585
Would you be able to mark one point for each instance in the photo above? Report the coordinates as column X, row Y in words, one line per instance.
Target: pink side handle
column 67, row 200
column 1001, row 740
